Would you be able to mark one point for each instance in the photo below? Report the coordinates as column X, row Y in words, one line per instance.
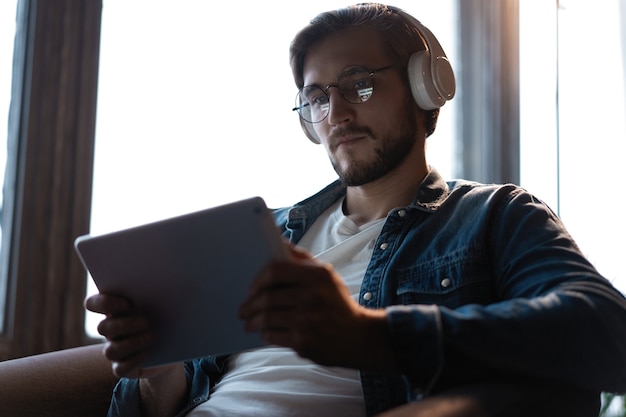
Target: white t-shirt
column 275, row 381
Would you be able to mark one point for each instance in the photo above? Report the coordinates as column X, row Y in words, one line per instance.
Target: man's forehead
column 327, row 58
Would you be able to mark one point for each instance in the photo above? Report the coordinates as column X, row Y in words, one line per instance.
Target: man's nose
column 341, row 110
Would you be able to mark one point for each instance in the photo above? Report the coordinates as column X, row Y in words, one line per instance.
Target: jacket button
column 402, row 212
column 367, row 296
column 384, row 246
column 445, row 283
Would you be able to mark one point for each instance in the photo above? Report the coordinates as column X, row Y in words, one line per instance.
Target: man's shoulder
column 469, row 186
column 463, row 191
column 497, row 196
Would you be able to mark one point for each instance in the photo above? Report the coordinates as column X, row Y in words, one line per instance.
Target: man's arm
column 162, row 390
column 552, row 317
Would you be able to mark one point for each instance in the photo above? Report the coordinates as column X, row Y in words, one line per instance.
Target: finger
column 125, row 350
column 277, row 337
column 127, row 355
column 110, row 305
column 265, row 319
column 271, row 298
column 123, row 328
column 282, row 284
column 131, row 368
column 281, row 273
column 301, row 343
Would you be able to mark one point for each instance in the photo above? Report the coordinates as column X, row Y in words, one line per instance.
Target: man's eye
column 318, row 100
column 363, row 90
column 361, row 84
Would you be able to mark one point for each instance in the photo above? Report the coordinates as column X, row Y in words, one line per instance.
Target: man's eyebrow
column 312, row 85
column 322, row 86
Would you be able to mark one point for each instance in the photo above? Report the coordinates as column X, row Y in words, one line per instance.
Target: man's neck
column 374, row 200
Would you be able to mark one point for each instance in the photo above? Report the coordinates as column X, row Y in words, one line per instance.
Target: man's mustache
column 341, row 132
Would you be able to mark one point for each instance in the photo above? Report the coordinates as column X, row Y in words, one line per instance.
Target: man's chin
column 357, row 176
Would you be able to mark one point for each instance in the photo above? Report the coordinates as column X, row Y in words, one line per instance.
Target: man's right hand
column 128, row 335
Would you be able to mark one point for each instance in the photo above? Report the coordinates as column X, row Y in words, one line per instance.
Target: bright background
column 194, row 108
column 195, row 98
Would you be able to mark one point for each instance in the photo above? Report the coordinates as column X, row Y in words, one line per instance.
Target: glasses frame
column 370, row 74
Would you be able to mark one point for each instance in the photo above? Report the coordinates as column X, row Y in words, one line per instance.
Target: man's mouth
column 348, row 137
column 348, row 140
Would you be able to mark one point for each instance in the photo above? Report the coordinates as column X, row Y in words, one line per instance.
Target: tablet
column 188, row 275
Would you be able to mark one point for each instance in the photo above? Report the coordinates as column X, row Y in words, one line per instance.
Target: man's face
column 364, row 141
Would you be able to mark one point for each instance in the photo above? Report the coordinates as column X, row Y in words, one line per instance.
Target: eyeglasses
column 355, row 84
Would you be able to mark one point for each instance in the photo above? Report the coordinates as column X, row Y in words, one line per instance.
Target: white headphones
column 430, row 75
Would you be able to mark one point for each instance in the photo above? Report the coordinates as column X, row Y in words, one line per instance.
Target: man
column 417, row 286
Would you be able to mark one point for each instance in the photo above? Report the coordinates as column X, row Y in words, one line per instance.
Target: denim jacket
column 481, row 283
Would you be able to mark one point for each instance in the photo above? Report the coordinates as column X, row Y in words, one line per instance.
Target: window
column 7, row 38
column 50, row 136
column 177, row 130
column 573, row 124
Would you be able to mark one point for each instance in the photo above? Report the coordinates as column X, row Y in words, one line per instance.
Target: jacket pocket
column 452, row 280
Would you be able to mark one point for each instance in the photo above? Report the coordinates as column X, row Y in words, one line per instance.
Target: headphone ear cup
column 422, row 83
column 310, row 132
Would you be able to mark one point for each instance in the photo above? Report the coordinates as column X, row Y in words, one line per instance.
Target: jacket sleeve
column 201, row 375
column 553, row 317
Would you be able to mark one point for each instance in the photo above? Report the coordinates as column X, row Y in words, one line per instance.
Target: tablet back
column 188, row 274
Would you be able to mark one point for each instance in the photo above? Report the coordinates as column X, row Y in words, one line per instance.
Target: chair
column 78, row 382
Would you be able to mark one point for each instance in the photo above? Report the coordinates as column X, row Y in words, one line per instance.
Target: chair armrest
column 79, row 382
column 71, row 382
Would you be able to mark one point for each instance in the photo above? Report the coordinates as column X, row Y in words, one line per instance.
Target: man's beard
column 391, row 152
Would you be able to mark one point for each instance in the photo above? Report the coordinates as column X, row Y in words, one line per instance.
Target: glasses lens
column 356, row 85
column 312, row 104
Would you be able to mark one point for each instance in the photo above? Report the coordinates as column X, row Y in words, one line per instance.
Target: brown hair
column 398, row 29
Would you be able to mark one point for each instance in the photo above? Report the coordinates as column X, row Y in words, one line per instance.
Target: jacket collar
column 429, row 196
